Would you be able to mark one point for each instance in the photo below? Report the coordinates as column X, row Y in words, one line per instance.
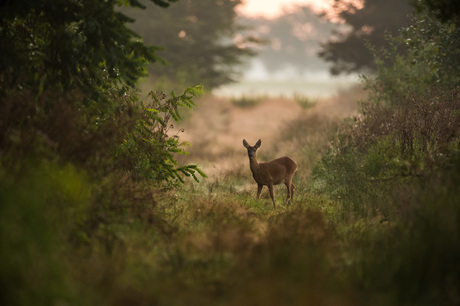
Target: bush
column 148, row 151
column 393, row 169
column 407, row 125
column 43, row 208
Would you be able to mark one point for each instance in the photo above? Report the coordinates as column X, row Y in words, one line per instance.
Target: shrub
column 148, row 151
column 246, row 101
column 407, row 124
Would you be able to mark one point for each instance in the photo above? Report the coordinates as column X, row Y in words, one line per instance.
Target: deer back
column 275, row 171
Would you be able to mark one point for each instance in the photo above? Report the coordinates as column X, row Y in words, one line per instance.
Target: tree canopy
column 70, row 44
column 444, row 10
column 201, row 40
column 67, row 88
column 369, row 25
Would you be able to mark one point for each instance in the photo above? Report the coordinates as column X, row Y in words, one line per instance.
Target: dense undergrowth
column 93, row 211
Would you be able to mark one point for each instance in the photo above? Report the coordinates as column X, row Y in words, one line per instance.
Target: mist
column 287, row 62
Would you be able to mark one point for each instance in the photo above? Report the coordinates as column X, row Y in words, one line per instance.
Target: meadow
column 348, row 238
column 107, row 197
column 370, row 227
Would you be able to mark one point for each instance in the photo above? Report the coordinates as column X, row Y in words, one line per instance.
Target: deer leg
column 270, row 188
column 292, row 191
column 259, row 189
column 288, row 193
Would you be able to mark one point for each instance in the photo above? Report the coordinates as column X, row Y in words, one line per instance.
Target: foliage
column 347, row 51
column 66, row 44
column 201, row 40
column 430, row 58
column 229, row 248
column 304, row 101
column 81, row 154
column 67, row 80
column 81, row 224
column 148, row 151
column 130, row 135
column 35, row 222
column 246, row 101
column 67, row 73
column 409, row 124
column 443, row 10
column 393, row 171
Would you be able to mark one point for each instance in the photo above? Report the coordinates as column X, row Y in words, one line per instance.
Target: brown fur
column 277, row 171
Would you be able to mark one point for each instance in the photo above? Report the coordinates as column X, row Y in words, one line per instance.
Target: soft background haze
column 289, row 67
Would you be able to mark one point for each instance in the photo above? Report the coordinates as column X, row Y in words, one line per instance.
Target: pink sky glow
column 275, row 8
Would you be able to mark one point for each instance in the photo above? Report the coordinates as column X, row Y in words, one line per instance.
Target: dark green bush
column 408, row 122
column 394, row 170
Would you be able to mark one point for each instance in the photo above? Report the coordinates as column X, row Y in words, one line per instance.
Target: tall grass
column 375, row 219
column 357, row 233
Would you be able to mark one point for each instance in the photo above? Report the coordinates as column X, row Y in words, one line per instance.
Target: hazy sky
column 273, row 8
column 287, row 80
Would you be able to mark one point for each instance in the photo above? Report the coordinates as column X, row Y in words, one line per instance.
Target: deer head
column 252, row 150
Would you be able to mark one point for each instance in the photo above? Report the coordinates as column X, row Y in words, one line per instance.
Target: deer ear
column 258, row 143
column 245, row 143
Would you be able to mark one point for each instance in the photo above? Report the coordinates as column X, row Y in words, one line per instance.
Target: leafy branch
column 148, row 151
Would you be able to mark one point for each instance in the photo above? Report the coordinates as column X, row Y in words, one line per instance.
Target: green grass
column 356, row 234
column 304, row 101
column 220, row 245
column 247, row 101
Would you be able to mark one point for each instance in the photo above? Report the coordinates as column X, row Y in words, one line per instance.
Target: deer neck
column 254, row 165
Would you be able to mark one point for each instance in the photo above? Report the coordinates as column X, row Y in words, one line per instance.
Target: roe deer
column 280, row 170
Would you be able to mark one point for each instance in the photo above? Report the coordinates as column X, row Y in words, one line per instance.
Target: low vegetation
column 305, row 102
column 246, row 101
